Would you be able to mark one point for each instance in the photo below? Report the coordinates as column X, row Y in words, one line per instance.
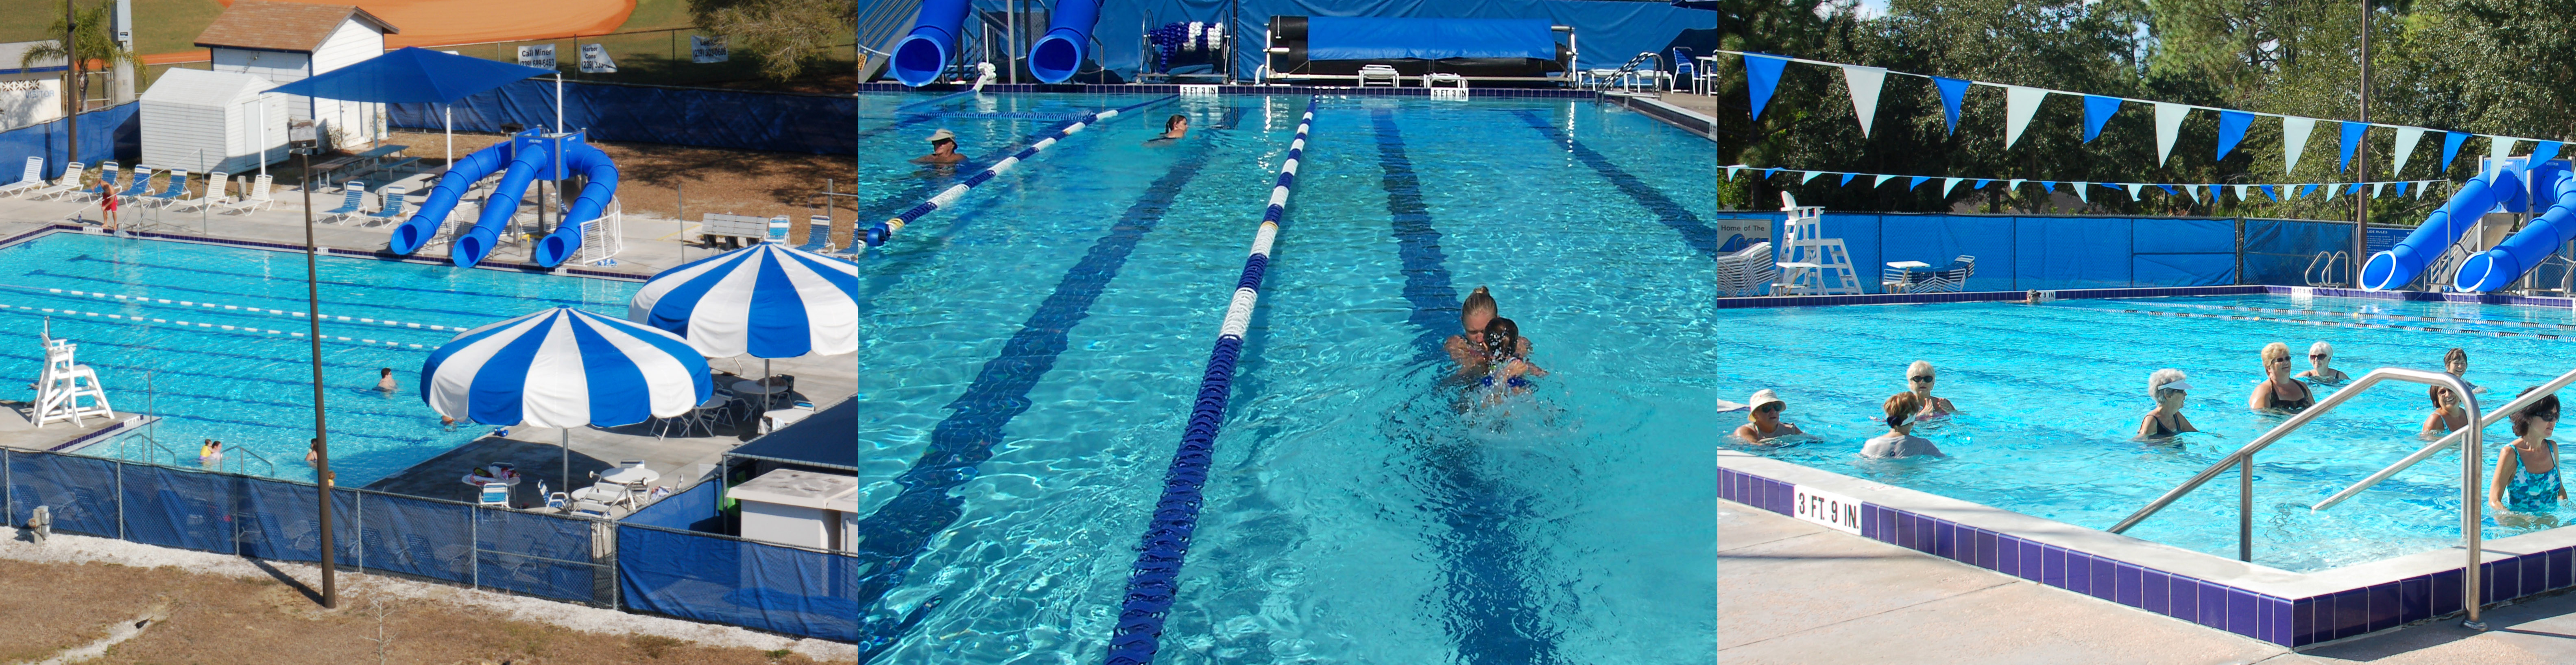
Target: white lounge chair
column 1920, row 277
column 212, row 194
column 352, row 202
column 1380, row 73
column 33, row 178
column 106, row 186
column 1748, row 271
column 254, row 196
column 67, row 184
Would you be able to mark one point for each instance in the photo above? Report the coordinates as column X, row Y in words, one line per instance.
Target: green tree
column 787, row 35
column 92, row 42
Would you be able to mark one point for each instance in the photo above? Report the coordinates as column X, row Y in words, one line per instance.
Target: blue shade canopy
column 412, row 75
column 1710, row 5
column 767, row 301
column 564, row 368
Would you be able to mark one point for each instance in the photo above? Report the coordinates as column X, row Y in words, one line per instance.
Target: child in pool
column 2526, row 475
column 1762, row 421
column 1506, row 372
column 2447, row 414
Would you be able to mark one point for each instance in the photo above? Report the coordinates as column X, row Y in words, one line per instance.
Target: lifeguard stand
column 63, row 383
column 1807, row 261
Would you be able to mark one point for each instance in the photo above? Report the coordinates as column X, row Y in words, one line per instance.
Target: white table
column 1707, row 75
column 1901, row 265
column 630, row 475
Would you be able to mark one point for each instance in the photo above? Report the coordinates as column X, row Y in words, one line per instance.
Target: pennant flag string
column 2019, row 104
column 2168, row 125
column 1864, row 83
column 2294, row 140
column 1761, row 76
column 2407, row 137
column 2097, row 111
column 2081, row 189
column 1953, row 91
column 2352, row 135
column 2231, row 130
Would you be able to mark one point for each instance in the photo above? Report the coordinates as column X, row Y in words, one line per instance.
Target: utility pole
column 2360, row 201
column 71, row 88
column 313, row 319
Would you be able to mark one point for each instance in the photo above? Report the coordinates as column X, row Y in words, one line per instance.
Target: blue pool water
column 245, row 386
column 1033, row 351
column 2051, row 395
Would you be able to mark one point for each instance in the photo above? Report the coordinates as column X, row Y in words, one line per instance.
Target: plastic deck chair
column 1380, row 73
column 590, row 509
column 352, row 202
column 106, row 185
column 138, row 185
column 178, row 187
column 1918, row 277
column 1683, row 68
column 62, row 186
column 1748, row 271
column 32, row 179
column 557, row 500
column 254, row 196
column 210, row 195
column 493, row 494
column 391, row 211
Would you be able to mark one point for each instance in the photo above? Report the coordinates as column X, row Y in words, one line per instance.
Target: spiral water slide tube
column 2400, row 264
column 925, row 51
column 531, row 161
column 425, row 222
column 1060, row 52
column 2499, row 267
column 601, row 173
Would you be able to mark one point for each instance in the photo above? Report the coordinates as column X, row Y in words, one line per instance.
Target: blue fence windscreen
column 174, row 508
column 79, row 492
column 536, row 554
column 415, row 537
column 2015, row 253
column 756, row 585
column 105, row 135
column 776, row 122
column 2280, row 251
column 1373, row 38
column 692, row 510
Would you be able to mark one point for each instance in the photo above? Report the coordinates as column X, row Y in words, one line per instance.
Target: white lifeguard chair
column 1808, row 261
column 63, row 383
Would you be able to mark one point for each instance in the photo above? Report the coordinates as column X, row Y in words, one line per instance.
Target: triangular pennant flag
column 1811, row 175
column 2352, row 134
column 1952, row 92
column 2133, row 191
column 2269, row 193
column 1730, row 174
column 2213, row 194
column 2354, row 189
column 1864, row 83
column 2406, row 139
column 2547, row 150
column 2169, row 190
column 2294, row 140
column 2310, row 188
column 1847, row 178
column 2242, row 192
column 2013, row 186
column 2081, row 195
column 2420, row 187
column 2168, row 125
column 1771, row 172
column 1918, row 182
column 1761, row 76
column 2401, row 188
column 2499, row 147
column 2231, row 130
column 2049, row 186
column 2450, row 149
column 2098, row 110
column 2019, row 104
column 1948, row 184
column 2194, row 193
column 1882, row 180
column 1981, row 184
column 2376, row 188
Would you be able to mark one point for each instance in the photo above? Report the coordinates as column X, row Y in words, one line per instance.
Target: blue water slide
column 425, row 222
column 924, row 52
column 525, row 167
column 2499, row 267
column 591, row 164
column 2400, row 264
column 1060, row 52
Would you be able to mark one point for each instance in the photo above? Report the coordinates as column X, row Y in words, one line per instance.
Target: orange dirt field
column 447, row 22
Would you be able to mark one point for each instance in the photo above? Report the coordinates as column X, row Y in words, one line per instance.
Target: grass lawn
column 163, row 26
column 648, row 15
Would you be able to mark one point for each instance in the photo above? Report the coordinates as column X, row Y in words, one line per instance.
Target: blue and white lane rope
column 1156, row 580
column 877, row 235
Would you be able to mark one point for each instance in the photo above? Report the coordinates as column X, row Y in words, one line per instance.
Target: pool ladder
column 2472, row 496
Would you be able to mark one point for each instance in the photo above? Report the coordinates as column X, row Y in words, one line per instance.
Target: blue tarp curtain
column 2041, row 252
column 1609, row 32
column 686, row 511
column 106, row 134
column 2279, row 251
column 825, row 440
column 1372, row 38
column 713, row 578
column 775, row 122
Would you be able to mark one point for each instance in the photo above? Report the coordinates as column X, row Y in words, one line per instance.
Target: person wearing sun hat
column 2167, row 387
column 943, row 149
column 1762, row 419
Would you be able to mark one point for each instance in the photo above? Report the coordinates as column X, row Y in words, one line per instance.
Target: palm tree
column 92, row 42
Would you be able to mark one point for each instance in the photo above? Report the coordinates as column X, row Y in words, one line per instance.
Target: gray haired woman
column 2168, row 387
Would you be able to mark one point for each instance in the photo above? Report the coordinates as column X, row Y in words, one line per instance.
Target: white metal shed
column 207, row 121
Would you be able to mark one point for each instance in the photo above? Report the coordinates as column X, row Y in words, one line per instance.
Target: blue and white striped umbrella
column 767, row 301
column 564, row 368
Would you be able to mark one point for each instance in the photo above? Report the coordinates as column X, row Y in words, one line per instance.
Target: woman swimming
column 2279, row 392
column 2526, row 475
column 2320, row 355
column 1762, row 422
column 1918, row 378
column 2447, row 414
column 2167, row 386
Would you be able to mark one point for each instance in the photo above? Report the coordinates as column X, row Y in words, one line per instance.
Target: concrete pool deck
column 1794, row 592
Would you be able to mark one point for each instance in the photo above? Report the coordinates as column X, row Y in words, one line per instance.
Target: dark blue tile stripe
column 1986, row 296
column 1155, row 581
column 1492, row 617
column 895, row 535
column 1698, row 234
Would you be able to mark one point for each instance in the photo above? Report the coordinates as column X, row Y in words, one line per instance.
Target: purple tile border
column 1174, row 88
column 2288, row 622
column 334, row 251
column 1988, row 296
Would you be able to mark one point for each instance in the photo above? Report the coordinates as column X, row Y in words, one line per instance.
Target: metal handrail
column 2330, row 260
column 2471, row 503
column 2491, row 418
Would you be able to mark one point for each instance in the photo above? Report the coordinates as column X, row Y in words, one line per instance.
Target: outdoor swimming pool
column 221, row 375
column 2051, row 395
column 1032, row 353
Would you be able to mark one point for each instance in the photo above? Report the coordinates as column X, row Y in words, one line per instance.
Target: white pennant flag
column 2168, row 125
column 2421, row 186
column 2498, row 147
column 2133, row 191
column 1730, row 171
column 2013, row 186
column 2194, row 191
column 1948, row 184
column 2080, row 189
column 1864, row 83
column 1882, row 180
column 2294, row 140
column 2406, row 138
column 2019, row 104
column 2242, row 191
column 1811, row 175
column 2376, row 187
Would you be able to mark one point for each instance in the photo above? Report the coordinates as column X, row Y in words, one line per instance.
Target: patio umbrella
column 564, row 368
column 414, row 75
column 766, row 301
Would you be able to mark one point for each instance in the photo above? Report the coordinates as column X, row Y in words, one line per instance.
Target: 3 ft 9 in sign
column 1836, row 511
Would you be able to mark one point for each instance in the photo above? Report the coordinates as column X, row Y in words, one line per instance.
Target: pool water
column 1032, row 353
column 2051, row 396
column 221, row 375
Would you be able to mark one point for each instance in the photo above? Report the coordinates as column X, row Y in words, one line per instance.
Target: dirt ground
column 653, row 176
column 219, row 619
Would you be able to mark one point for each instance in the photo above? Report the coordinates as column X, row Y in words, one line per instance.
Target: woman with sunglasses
column 2319, row 355
column 1919, row 379
column 2168, row 387
column 1762, row 422
column 2279, row 392
column 2526, row 475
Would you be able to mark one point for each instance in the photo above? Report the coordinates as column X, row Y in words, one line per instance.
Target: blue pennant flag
column 1761, row 76
column 2231, row 130
column 1765, row 173
column 2307, row 189
column 1981, row 184
column 2097, row 111
column 2169, row 191
column 2213, row 193
column 1918, row 182
column 2450, row 149
column 1846, row 182
column 2547, row 150
column 2401, row 187
column 1952, row 92
column 2351, row 139
column 2048, row 186
column 2355, row 190
column 2270, row 194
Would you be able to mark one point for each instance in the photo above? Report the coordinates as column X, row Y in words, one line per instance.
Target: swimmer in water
column 943, row 150
column 1468, row 347
column 2279, row 392
column 2167, row 386
column 385, row 380
column 1919, row 377
column 1507, row 372
column 2447, row 414
column 2456, row 361
column 1762, row 422
column 1174, row 129
column 1900, row 441
column 2319, row 355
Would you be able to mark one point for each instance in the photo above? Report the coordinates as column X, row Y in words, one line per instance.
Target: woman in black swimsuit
column 2279, row 392
column 2166, row 420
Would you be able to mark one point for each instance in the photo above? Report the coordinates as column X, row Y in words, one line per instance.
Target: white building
column 30, row 94
column 287, row 42
column 207, row 121
column 800, row 508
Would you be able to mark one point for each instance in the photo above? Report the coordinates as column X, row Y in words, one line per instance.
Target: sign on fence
column 704, row 49
column 538, row 55
column 595, row 60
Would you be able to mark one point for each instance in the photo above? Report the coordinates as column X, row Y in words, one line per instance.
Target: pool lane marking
column 208, row 305
column 444, row 292
column 893, row 537
column 916, row 191
column 877, row 235
column 2393, row 317
column 1696, row 233
column 1486, row 593
column 1154, row 582
column 140, row 320
column 2345, row 324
